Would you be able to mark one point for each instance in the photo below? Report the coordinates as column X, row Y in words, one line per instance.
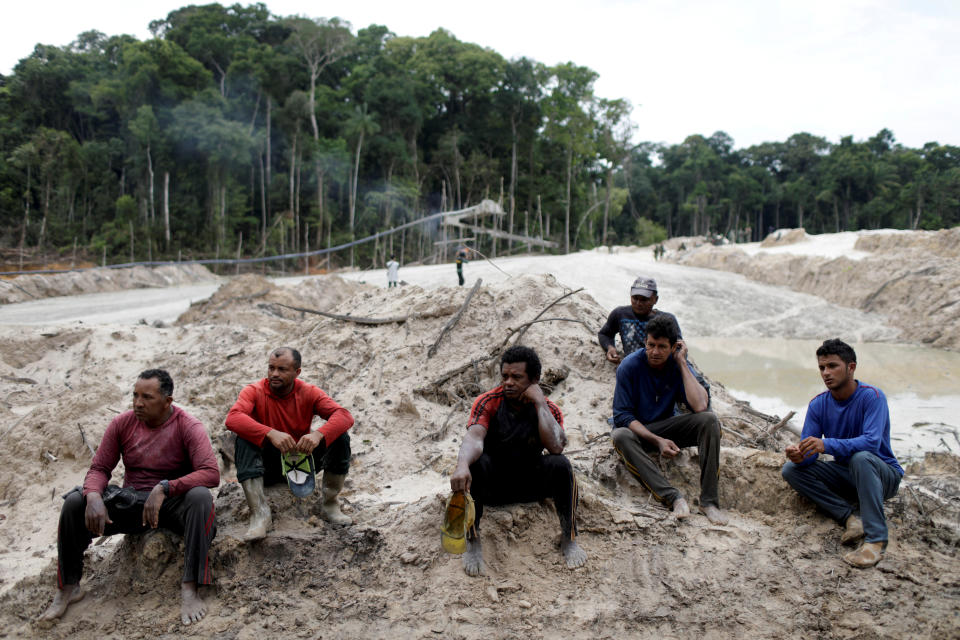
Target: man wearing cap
column 273, row 416
column 630, row 321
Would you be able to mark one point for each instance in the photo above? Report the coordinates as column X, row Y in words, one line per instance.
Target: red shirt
column 258, row 410
column 178, row 450
column 485, row 408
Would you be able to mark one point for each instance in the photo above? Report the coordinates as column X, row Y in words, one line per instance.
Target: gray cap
column 644, row 287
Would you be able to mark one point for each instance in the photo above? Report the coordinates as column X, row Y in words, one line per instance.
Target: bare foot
column 192, row 608
column 473, row 557
column 714, row 514
column 681, row 509
column 64, row 598
column 573, row 554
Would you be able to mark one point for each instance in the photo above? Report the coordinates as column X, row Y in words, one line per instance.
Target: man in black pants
column 649, row 383
column 501, row 459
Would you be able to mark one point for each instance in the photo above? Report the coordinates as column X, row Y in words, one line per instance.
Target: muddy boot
column 869, row 554
column 259, row 509
column 330, row 509
column 852, row 530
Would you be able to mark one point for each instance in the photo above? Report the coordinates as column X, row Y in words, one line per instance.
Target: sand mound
column 913, row 278
column 34, row 287
column 782, row 237
column 774, row 572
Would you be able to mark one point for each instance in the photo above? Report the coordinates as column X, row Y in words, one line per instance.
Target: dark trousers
column 253, row 461
column 190, row 515
column 835, row 487
column 498, row 482
column 701, row 430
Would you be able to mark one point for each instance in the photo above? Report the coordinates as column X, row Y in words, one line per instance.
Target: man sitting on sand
column 630, row 321
column 273, row 416
column 169, row 465
column 852, row 424
column 501, row 459
column 649, row 383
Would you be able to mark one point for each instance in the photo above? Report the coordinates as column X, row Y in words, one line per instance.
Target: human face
column 659, row 351
column 642, row 305
column 837, row 375
column 150, row 405
column 514, row 377
column 281, row 372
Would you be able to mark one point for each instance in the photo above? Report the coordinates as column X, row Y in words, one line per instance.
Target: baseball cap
column 644, row 287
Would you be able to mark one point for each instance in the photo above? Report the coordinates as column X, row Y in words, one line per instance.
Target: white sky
column 760, row 70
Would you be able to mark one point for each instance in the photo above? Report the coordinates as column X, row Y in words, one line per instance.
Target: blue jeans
column 835, row 487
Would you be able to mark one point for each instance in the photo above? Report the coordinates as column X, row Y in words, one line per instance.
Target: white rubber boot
column 260, row 519
column 330, row 508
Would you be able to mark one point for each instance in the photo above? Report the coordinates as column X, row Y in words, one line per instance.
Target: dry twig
column 454, row 320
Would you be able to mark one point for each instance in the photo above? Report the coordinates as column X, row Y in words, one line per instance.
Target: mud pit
column 775, row 571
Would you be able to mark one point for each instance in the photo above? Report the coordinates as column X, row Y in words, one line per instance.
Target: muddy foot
column 681, row 509
column 64, row 598
column 192, row 608
column 473, row 558
column 573, row 554
column 715, row 515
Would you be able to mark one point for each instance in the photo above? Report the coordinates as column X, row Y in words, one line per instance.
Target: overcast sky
column 758, row 70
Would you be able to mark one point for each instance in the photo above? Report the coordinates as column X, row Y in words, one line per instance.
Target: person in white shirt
column 393, row 267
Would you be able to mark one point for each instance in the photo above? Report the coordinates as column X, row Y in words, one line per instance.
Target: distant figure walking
column 393, row 267
column 461, row 258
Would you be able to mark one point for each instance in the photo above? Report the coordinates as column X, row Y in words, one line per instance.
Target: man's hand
column 309, row 442
column 668, row 448
column 810, row 445
column 151, row 510
column 461, row 479
column 96, row 515
column 680, row 352
column 793, row 454
column 613, row 355
column 533, row 394
column 284, row 442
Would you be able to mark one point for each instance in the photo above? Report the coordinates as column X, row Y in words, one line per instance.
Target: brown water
column 922, row 385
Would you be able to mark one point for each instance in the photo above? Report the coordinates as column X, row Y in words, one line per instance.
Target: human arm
column 203, row 461
column 240, row 418
column 338, row 421
column 695, row 395
column 873, row 420
column 470, row 451
column 806, row 451
column 549, row 419
column 106, row 458
column 607, row 337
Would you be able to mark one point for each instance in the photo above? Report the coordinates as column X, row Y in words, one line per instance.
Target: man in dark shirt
column 631, row 321
column 501, row 458
column 169, row 470
column 649, row 383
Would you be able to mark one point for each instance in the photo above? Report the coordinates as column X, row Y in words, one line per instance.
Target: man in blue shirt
column 851, row 423
column 649, row 383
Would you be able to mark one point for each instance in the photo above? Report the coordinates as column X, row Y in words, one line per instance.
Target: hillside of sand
column 775, row 571
column 911, row 277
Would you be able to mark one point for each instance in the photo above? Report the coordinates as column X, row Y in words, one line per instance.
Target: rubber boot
column 330, row 508
column 259, row 509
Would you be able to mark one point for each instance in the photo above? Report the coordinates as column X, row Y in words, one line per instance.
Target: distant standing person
column 851, row 422
column 169, row 469
column 501, row 458
column 461, row 258
column 393, row 269
column 630, row 321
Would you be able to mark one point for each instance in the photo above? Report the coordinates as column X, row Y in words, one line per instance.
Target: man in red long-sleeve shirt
column 273, row 416
column 169, row 465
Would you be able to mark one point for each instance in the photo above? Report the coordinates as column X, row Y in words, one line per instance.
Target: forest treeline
column 237, row 132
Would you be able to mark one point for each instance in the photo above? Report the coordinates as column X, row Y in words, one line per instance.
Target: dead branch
column 336, row 316
column 742, row 437
column 252, row 296
column 780, row 425
column 526, row 325
column 545, row 309
column 83, row 437
column 441, row 433
column 454, row 320
column 455, row 372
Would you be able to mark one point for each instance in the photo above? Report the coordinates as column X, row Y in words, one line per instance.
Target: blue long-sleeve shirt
column 859, row 423
column 644, row 393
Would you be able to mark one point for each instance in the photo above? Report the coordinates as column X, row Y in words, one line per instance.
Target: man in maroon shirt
column 274, row 416
column 169, row 465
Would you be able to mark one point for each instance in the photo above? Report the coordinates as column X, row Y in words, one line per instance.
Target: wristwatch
column 165, row 484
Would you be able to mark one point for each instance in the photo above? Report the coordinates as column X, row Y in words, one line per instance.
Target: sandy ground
column 774, row 572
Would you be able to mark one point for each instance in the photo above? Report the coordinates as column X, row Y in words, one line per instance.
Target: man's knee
column 198, row 498
column 789, row 472
column 862, row 463
column 622, row 437
column 557, row 464
column 708, row 424
column 336, row 459
column 73, row 504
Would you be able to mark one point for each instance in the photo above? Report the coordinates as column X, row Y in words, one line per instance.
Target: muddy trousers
column 499, row 482
column 836, row 487
column 701, row 430
column 190, row 515
column 253, row 461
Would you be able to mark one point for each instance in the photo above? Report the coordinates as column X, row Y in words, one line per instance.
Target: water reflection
column 922, row 384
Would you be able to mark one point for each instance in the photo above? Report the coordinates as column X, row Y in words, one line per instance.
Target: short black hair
column 279, row 351
column 663, row 326
column 161, row 376
column 837, row 347
column 519, row 353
